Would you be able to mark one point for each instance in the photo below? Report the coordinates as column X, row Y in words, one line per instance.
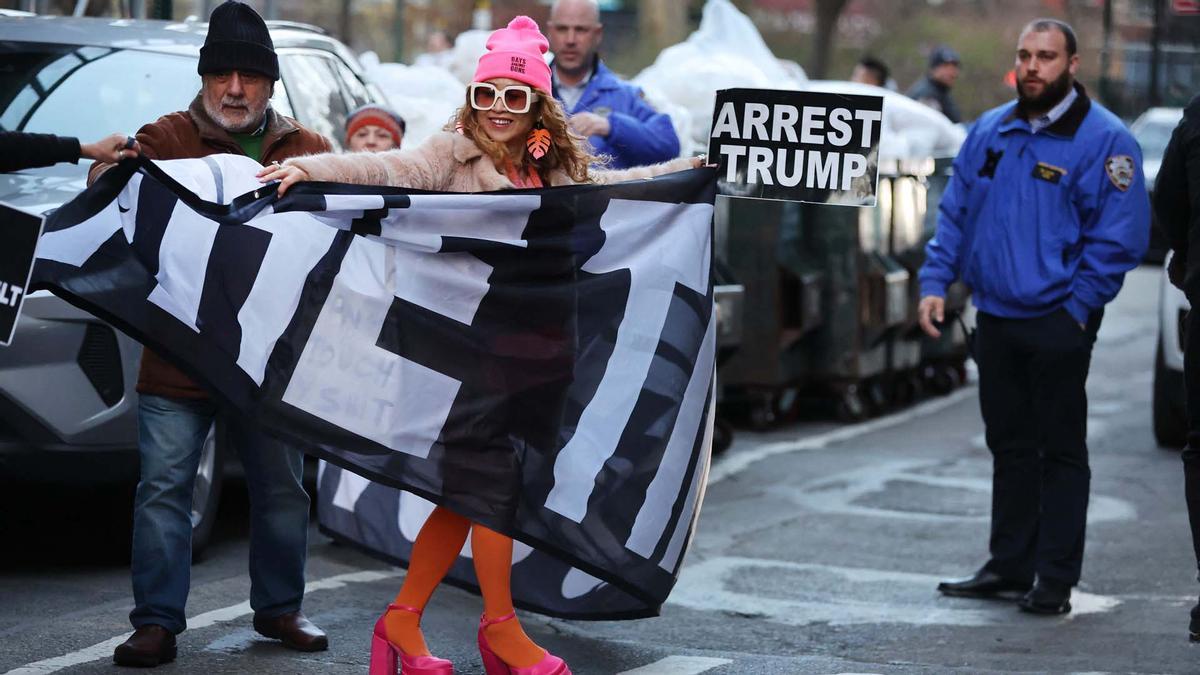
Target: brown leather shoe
column 149, row 646
column 294, row 630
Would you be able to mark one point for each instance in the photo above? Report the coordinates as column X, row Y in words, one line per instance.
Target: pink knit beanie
column 516, row 53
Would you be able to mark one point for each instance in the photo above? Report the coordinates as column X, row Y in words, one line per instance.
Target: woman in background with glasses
column 511, row 133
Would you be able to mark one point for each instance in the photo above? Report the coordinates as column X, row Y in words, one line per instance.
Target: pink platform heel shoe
column 493, row 665
column 385, row 655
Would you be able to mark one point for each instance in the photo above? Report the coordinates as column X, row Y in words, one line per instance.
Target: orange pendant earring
column 538, row 141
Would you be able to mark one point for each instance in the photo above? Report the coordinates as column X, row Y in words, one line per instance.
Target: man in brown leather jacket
column 231, row 114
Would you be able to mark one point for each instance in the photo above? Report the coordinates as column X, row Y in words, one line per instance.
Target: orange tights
column 435, row 550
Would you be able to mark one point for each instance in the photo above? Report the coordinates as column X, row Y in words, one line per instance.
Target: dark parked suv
column 67, row 400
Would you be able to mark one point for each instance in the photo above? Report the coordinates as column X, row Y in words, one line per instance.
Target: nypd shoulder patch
column 1120, row 170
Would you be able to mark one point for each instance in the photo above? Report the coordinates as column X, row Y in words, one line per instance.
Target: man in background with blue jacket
column 611, row 113
column 1046, row 211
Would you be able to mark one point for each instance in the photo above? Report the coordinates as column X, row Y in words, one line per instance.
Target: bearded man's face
column 1045, row 71
column 236, row 100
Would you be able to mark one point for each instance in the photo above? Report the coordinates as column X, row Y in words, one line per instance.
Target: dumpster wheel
column 943, row 378
column 850, row 405
column 722, row 436
column 769, row 408
column 762, row 410
column 877, row 397
column 907, row 389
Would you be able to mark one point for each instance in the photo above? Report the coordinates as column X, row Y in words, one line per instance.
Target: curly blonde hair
column 568, row 151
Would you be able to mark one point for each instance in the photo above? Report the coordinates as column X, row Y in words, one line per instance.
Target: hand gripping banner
column 539, row 361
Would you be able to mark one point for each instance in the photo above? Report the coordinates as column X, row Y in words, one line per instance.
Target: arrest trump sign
column 797, row 145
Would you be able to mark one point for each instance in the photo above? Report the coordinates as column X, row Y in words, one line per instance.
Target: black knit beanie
column 238, row 40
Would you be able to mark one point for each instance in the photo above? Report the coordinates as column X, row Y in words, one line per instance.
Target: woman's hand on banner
column 932, row 309
column 286, row 174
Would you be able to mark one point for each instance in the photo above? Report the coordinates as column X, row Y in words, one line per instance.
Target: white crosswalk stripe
column 104, row 650
column 678, row 665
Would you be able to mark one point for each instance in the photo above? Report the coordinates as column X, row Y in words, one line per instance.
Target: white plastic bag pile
column 727, row 51
column 911, row 130
column 468, row 47
column 427, row 96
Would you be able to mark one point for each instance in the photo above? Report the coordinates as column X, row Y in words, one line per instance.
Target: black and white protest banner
column 802, row 146
column 21, row 231
column 540, row 361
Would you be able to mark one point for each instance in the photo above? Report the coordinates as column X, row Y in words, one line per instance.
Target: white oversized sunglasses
column 516, row 99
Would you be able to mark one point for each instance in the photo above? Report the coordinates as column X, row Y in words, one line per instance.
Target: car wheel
column 206, row 495
column 1170, row 420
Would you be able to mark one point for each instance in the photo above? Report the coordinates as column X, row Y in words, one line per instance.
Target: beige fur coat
column 447, row 162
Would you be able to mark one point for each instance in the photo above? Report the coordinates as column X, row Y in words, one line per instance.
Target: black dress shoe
column 984, row 584
column 294, row 630
column 1047, row 598
column 149, row 646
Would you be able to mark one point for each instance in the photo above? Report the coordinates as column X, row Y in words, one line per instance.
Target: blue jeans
column 171, row 432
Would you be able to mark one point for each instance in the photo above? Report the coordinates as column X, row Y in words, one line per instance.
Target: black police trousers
column 1191, row 452
column 1032, row 377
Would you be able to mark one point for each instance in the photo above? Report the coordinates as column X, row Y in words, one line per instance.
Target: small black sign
column 805, row 146
column 19, row 231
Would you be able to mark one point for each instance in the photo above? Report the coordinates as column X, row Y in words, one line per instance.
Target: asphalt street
column 818, row 551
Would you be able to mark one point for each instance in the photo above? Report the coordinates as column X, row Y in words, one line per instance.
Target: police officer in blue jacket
column 610, row 112
column 1045, row 213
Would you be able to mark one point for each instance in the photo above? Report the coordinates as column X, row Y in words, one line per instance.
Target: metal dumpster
column 942, row 361
column 830, row 304
column 822, row 298
column 918, row 363
column 728, row 299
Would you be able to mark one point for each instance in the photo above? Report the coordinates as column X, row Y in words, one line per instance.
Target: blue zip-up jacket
column 1035, row 222
column 638, row 135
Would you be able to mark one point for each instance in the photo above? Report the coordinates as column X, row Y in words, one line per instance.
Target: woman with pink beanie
column 511, row 133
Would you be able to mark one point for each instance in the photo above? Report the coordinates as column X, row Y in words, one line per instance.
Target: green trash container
column 917, row 362
column 943, row 360
column 822, row 298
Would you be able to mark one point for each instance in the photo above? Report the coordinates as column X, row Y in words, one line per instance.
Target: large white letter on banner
column 656, row 264
column 344, row 377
